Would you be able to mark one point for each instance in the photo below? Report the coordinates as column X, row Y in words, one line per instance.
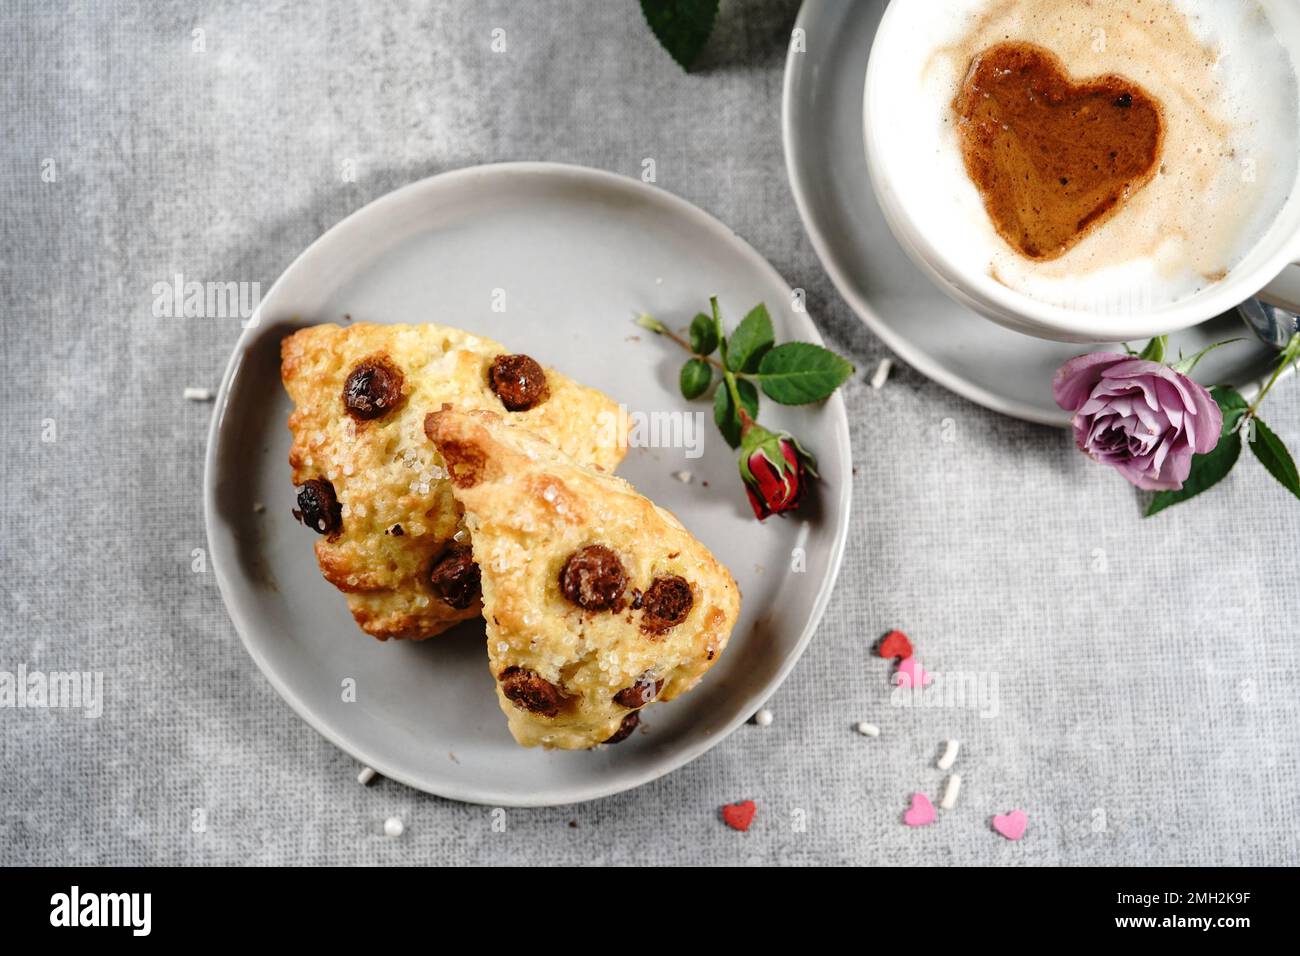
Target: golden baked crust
column 387, row 475
column 559, row 666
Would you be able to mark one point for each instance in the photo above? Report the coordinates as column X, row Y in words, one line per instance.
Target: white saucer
column 1002, row 370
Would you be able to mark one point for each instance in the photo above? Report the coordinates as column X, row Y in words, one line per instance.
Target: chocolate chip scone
column 372, row 485
column 597, row 601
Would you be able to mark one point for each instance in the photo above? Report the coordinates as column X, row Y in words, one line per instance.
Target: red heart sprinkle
column 896, row 645
column 739, row 816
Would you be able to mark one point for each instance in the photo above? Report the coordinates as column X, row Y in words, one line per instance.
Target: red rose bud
column 774, row 467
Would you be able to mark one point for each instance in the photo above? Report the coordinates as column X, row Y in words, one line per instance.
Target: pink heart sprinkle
column 921, row 812
column 1011, row 825
column 910, row 672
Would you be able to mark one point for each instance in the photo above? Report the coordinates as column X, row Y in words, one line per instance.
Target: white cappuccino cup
column 1218, row 223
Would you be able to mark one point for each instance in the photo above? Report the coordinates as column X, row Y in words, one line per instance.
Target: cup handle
column 1284, row 291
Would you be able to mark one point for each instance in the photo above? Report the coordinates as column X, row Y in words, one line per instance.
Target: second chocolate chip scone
column 373, row 486
column 597, row 601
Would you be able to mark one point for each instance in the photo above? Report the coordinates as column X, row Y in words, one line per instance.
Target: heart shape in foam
column 1053, row 159
column 1011, row 825
column 920, row 812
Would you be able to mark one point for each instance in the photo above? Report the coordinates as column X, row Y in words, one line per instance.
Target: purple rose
column 1142, row 418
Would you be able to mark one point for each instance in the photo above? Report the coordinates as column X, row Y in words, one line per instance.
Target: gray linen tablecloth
column 1148, row 669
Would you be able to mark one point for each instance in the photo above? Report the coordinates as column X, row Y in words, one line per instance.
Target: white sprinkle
column 950, row 791
column 949, row 755
column 683, row 476
column 393, row 827
column 365, row 776
column 763, row 718
column 347, row 468
column 550, row 493
column 882, row 373
column 866, row 729
column 194, row 394
column 258, row 507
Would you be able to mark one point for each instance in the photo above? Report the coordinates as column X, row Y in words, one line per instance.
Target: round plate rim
column 454, row 790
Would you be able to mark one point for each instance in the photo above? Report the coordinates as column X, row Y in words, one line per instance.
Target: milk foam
column 1232, row 112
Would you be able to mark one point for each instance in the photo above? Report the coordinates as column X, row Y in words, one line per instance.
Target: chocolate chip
column 667, row 603
column 593, row 578
column 530, row 692
column 624, row 729
column 455, row 577
column 373, row 388
column 518, row 380
column 640, row 693
column 319, row 506
column 1124, row 100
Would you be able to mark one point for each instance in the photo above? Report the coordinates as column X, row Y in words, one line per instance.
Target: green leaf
column 1207, row 471
column 695, row 378
column 1155, row 350
column 1212, row 467
column 797, row 373
column 682, row 26
column 704, row 336
column 1231, row 404
column 724, row 409
column 751, row 340
column 1272, row 454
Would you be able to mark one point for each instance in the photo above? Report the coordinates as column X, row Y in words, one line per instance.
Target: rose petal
column 1177, row 466
column 1075, row 380
column 1209, row 419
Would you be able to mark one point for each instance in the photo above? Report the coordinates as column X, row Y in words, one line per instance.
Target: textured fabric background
column 1148, row 669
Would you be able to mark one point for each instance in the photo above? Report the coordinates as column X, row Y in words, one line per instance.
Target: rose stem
column 1288, row 355
column 660, row 329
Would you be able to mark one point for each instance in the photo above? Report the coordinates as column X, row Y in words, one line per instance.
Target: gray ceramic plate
column 577, row 252
column 1000, row 369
